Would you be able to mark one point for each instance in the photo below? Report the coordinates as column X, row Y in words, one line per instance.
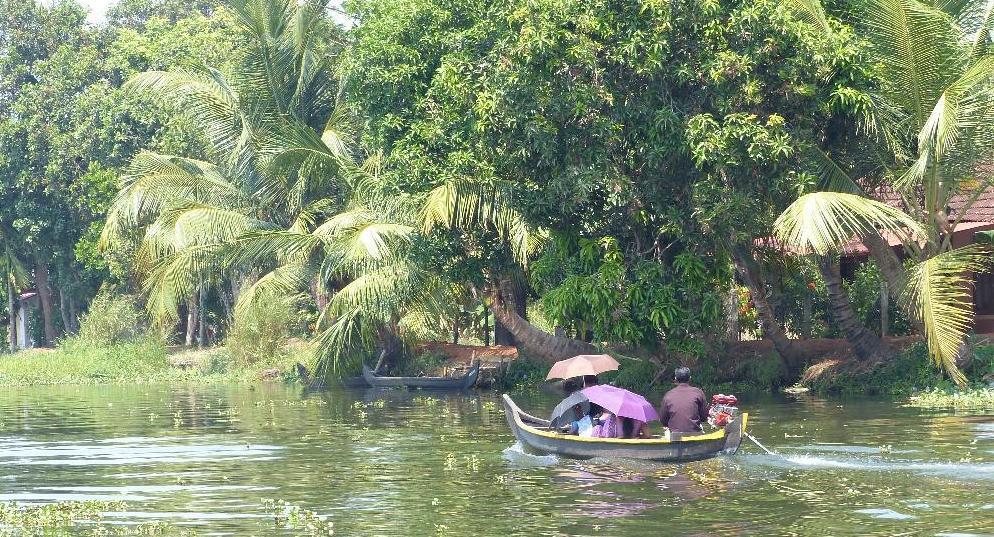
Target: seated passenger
column 583, row 425
column 684, row 408
column 633, row 428
column 607, row 426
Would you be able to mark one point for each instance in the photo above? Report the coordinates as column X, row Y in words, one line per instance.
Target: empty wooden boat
column 463, row 382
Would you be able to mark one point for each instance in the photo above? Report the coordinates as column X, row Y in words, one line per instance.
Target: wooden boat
column 535, row 437
column 432, row 383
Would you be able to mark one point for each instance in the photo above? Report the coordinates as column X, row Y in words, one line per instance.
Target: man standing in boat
column 684, row 408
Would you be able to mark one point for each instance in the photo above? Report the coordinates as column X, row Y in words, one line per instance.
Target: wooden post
column 379, row 362
column 884, row 307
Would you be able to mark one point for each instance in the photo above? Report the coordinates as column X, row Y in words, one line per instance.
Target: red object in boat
column 723, row 409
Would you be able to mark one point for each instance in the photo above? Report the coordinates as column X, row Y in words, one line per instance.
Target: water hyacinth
column 977, row 398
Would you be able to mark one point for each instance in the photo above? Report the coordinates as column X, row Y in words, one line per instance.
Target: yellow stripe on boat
column 716, row 435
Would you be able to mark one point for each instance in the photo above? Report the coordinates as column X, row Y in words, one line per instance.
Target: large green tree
column 647, row 137
column 67, row 128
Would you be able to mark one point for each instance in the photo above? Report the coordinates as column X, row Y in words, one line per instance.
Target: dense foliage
column 640, row 170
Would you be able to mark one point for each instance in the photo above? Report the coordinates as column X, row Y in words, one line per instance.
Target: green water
column 201, row 459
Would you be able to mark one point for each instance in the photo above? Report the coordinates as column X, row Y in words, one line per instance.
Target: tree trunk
column 865, row 344
column 191, row 321
column 45, row 296
column 732, row 328
column 516, row 298
column 750, row 271
column 486, row 327
column 64, row 310
column 807, row 312
column 12, row 310
column 229, row 313
column 532, row 340
column 202, row 310
column 893, row 272
column 887, row 261
column 455, row 330
column 73, row 314
column 884, row 310
column 393, row 345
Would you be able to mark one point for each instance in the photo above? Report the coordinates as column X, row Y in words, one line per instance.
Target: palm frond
column 177, row 277
column 938, row 294
column 155, row 182
column 283, row 281
column 918, row 49
column 811, row 12
column 465, row 204
column 823, row 222
column 206, row 98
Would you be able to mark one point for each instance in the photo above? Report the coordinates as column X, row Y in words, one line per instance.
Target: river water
column 201, row 460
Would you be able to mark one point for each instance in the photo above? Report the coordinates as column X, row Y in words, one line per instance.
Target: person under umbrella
column 578, row 372
column 626, row 413
column 571, row 409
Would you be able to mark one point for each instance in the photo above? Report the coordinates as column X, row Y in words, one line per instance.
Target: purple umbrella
column 622, row 403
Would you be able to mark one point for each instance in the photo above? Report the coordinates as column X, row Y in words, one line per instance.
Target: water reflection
column 397, row 462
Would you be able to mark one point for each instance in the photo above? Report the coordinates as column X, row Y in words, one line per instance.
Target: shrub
column 262, row 328
column 111, row 320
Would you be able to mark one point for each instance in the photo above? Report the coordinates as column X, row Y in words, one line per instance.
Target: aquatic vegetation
column 976, row 398
column 55, row 515
column 306, row 522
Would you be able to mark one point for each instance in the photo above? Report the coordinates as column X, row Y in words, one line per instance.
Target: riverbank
column 142, row 362
column 745, row 368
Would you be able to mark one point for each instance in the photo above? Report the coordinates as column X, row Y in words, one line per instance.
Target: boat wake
column 517, row 456
column 965, row 470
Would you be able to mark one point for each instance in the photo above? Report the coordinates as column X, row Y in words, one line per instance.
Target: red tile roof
column 982, row 209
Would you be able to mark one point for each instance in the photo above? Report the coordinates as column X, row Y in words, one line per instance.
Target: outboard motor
column 723, row 409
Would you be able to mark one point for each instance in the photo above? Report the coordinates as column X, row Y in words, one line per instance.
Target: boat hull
column 528, row 430
column 429, row 383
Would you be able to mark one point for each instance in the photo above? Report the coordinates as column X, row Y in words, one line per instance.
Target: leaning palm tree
column 931, row 126
column 264, row 122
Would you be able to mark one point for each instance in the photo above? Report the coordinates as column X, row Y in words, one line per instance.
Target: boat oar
column 761, row 446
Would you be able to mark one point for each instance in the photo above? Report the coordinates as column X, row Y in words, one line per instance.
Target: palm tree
column 270, row 124
column 931, row 120
column 14, row 276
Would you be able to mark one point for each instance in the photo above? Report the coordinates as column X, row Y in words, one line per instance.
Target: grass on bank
column 140, row 362
column 115, row 345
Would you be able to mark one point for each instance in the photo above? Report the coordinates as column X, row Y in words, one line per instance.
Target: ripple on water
column 888, row 514
column 120, row 452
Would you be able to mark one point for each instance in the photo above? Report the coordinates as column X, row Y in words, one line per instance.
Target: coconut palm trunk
column 773, row 330
column 531, row 339
column 12, row 313
column 45, row 297
column 865, row 344
column 517, row 299
column 191, row 321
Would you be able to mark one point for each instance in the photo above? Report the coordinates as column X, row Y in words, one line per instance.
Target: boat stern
column 734, row 432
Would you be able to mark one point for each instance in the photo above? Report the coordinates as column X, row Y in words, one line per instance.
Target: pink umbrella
column 584, row 364
column 620, row 402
